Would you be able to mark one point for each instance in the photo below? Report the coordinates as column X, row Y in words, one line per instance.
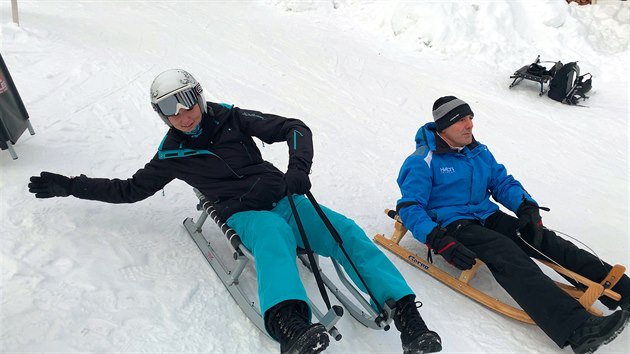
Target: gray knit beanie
column 448, row 110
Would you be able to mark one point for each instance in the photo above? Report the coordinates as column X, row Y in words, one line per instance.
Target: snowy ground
column 82, row 276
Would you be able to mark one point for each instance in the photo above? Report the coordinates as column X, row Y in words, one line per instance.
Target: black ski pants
column 508, row 258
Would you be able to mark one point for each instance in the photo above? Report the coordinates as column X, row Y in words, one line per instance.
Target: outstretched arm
column 144, row 183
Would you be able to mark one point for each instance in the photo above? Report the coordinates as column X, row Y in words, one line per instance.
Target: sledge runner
column 446, row 186
column 210, row 146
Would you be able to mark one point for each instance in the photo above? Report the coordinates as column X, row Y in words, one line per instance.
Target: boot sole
column 429, row 342
column 592, row 345
column 625, row 320
column 315, row 340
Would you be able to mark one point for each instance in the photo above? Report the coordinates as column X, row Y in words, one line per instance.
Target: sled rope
column 518, row 234
column 580, row 242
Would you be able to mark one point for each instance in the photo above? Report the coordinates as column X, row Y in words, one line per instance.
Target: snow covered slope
column 82, row 276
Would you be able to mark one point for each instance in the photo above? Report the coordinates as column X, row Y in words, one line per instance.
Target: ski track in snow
column 81, row 276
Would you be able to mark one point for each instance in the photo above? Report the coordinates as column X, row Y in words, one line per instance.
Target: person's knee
column 352, row 234
column 500, row 251
column 263, row 226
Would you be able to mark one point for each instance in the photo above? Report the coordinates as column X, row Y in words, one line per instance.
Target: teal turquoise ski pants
column 273, row 237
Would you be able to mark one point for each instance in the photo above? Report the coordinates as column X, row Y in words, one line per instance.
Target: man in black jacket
column 210, row 146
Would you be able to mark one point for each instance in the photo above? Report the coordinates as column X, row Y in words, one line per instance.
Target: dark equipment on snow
column 535, row 72
column 568, row 86
column 565, row 83
column 13, row 115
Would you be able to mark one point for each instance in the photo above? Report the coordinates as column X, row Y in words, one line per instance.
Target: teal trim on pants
column 272, row 237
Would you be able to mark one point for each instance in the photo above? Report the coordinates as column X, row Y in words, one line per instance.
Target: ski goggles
column 171, row 104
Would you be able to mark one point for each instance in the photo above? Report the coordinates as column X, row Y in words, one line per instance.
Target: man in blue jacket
column 446, row 186
column 210, row 146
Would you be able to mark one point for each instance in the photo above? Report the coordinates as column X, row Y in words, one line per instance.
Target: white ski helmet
column 174, row 89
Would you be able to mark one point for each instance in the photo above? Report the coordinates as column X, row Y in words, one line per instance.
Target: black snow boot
column 288, row 323
column 597, row 331
column 416, row 338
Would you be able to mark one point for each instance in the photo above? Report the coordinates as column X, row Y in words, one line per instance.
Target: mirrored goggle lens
column 169, row 106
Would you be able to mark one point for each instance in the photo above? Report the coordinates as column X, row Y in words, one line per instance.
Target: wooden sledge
column 587, row 294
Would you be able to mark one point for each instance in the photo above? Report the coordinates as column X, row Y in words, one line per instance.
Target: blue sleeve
column 505, row 188
column 415, row 181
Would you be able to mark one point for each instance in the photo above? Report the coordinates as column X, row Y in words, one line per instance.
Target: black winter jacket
column 223, row 162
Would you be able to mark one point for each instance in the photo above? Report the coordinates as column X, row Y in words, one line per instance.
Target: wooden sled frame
column 587, row 297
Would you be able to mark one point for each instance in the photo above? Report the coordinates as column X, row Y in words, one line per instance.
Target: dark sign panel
column 13, row 115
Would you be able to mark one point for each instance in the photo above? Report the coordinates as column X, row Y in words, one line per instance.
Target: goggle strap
column 187, row 98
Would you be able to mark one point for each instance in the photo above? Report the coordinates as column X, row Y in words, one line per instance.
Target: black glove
column 449, row 248
column 530, row 222
column 297, row 181
column 48, row 185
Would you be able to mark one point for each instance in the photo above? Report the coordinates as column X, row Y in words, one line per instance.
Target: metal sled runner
column 231, row 276
column 587, row 297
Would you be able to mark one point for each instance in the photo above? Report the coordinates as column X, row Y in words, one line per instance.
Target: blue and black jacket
column 440, row 185
column 222, row 161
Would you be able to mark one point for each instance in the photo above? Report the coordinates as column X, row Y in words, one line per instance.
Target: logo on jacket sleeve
column 447, row 170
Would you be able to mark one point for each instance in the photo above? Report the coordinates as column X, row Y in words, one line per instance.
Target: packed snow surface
column 82, row 276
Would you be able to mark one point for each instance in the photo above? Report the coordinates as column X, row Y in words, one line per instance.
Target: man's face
column 186, row 119
column 460, row 133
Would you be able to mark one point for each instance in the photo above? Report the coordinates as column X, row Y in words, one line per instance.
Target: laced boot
column 288, row 323
column 597, row 331
column 416, row 338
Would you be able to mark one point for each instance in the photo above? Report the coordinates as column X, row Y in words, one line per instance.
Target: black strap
column 337, row 238
column 309, row 252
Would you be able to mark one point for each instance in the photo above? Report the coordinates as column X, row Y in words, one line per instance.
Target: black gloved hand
column 530, row 222
column 297, row 181
column 48, row 185
column 449, row 248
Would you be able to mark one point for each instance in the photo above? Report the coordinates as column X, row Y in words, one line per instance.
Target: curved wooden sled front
column 587, row 297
